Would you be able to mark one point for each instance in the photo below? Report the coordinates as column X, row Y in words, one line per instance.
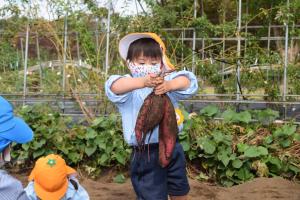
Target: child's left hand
column 162, row 88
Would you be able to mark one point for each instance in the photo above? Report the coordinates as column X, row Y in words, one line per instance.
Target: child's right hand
column 152, row 80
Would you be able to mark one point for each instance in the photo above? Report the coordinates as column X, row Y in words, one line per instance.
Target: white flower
column 192, row 115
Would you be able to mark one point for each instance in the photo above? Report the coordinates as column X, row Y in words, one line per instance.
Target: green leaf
column 209, row 111
column 185, row 145
column 294, row 169
column 244, row 116
column 38, row 144
column 252, row 152
column 208, row 146
column 202, row 176
column 91, row 134
column 224, row 158
column 237, row 163
column 74, row 157
column 268, row 139
column 120, row 178
column 227, row 183
column 285, row 143
column 262, row 151
column 285, row 131
column 97, row 121
column 109, row 148
column 218, row 136
column 228, row 115
column 120, row 158
column 89, row 150
column 278, row 133
column 275, row 161
column 244, row 174
column 38, row 153
column 242, row 147
column 266, row 116
column 229, row 172
column 104, row 157
column 102, row 145
column 289, row 129
column 192, row 155
column 297, row 137
column 25, row 146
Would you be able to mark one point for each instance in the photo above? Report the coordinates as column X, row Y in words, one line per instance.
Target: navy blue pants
column 152, row 182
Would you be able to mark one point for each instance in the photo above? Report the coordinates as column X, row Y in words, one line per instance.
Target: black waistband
column 151, row 145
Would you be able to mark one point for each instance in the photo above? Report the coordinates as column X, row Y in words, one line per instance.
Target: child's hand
column 162, row 88
column 150, row 80
column 153, row 80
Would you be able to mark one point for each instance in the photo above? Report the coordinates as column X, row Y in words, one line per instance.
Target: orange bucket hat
column 50, row 177
column 128, row 39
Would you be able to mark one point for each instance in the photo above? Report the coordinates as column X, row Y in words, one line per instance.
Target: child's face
column 142, row 66
column 142, row 60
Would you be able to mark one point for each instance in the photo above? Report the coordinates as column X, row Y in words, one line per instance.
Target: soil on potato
column 260, row 188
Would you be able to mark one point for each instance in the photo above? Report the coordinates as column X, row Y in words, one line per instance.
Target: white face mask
column 144, row 70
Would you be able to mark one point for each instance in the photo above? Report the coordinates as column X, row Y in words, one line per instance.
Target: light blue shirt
column 11, row 188
column 130, row 103
column 71, row 193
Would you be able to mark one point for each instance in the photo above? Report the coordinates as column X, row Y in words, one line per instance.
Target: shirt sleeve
column 116, row 98
column 187, row 93
column 80, row 194
column 30, row 191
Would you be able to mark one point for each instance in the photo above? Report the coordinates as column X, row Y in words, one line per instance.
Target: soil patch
column 259, row 188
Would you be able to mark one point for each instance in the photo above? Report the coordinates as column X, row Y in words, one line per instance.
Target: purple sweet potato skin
column 158, row 110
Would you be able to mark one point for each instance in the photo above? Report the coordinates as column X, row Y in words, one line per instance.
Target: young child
column 12, row 129
column 52, row 179
column 145, row 54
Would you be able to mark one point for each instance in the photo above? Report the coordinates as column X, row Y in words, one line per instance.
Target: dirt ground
column 258, row 189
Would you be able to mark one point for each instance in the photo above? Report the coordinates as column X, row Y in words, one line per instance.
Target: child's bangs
column 146, row 47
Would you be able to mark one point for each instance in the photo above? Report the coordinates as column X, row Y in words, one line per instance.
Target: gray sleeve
column 11, row 188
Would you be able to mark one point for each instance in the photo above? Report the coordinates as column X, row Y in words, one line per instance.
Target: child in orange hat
column 52, row 179
column 145, row 56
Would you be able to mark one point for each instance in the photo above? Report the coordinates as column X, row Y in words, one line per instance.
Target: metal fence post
column 285, row 57
column 25, row 64
column 194, row 39
column 64, row 60
column 238, row 50
column 39, row 59
column 107, row 40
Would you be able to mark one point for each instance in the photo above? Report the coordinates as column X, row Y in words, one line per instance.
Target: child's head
column 50, row 176
column 12, row 129
column 144, row 53
column 144, row 50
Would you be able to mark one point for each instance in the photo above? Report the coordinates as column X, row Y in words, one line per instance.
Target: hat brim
column 20, row 133
column 128, row 39
column 70, row 170
column 46, row 195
